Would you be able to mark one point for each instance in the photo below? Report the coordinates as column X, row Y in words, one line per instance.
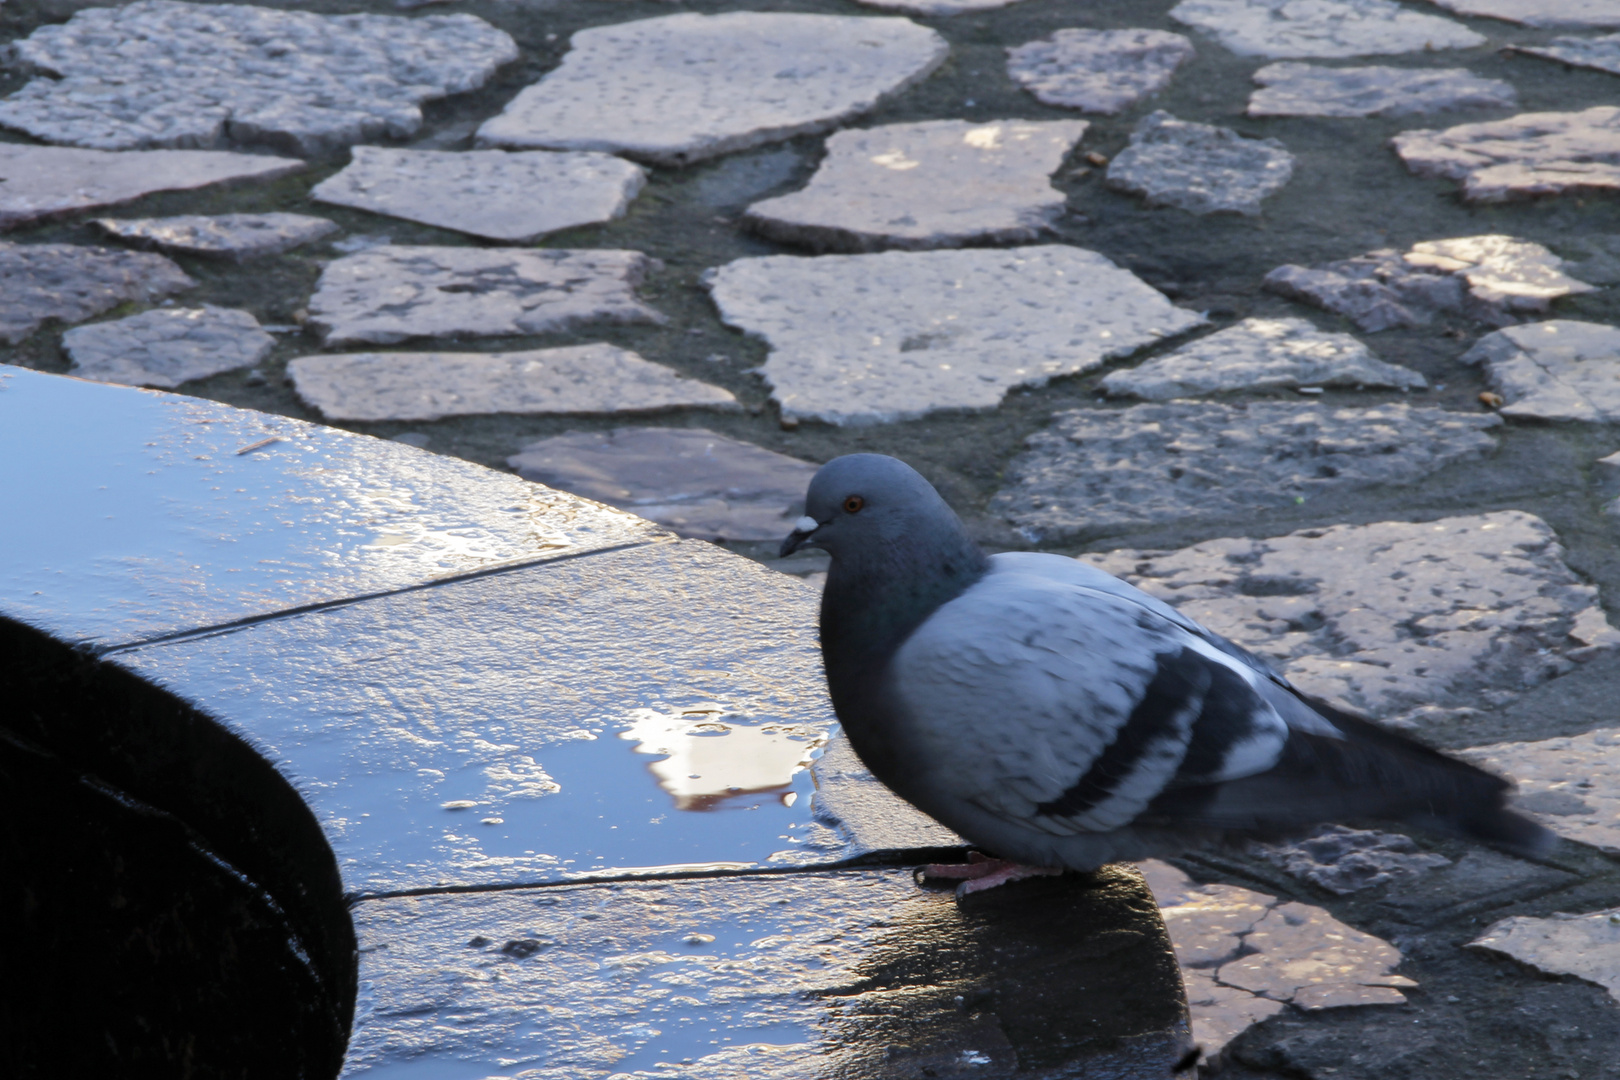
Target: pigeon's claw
column 982, row 872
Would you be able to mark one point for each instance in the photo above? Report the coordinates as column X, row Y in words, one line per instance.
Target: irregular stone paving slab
column 1260, row 354
column 487, row 193
column 1324, row 29
column 1586, row 946
column 1199, row 168
column 1100, row 71
column 168, row 513
column 1309, row 90
column 939, row 183
column 1345, row 861
column 596, row 378
column 1529, row 155
column 855, row 974
column 1540, row 13
column 691, row 480
column 70, row 283
column 159, row 73
column 1386, row 619
column 1096, row 471
column 681, row 88
column 937, row 7
column 237, row 237
column 1599, row 53
column 872, row 339
column 38, row 182
column 1244, row 955
column 167, row 346
column 388, row 293
column 1555, row 370
column 1571, row 785
column 1504, row 277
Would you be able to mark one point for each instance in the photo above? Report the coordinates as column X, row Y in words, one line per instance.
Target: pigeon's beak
column 799, row 537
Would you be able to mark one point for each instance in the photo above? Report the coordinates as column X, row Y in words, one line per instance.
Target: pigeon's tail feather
column 1371, row 772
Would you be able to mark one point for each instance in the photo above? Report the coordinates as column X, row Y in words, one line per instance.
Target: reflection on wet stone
column 1100, row 71
column 709, row 759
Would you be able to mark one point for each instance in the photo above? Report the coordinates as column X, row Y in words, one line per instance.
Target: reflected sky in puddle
column 708, row 762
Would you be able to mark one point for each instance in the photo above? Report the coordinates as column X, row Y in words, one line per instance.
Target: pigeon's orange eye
column 853, row 504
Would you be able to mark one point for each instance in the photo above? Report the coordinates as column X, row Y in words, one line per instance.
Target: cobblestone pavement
column 1437, row 546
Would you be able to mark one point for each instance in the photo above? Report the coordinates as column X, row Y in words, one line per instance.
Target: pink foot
column 982, row 872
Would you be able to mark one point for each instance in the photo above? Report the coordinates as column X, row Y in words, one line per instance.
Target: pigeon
column 1060, row 718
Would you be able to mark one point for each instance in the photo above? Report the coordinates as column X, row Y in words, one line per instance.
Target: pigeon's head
column 863, row 505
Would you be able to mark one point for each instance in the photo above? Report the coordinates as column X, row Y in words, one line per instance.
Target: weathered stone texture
column 937, row 7
column 158, row 73
column 167, row 346
column 680, row 88
column 1586, row 946
column 1571, row 785
column 488, row 193
column 1345, row 861
column 237, row 237
column 1292, row 89
column 1198, row 167
column 71, row 283
column 1099, row 71
column 1392, row 620
column 1529, row 155
column 691, row 480
column 1097, row 471
column 1540, row 13
column 1324, row 29
column 939, row 183
column 1260, row 354
column 866, row 339
column 1600, row 53
column 427, row 386
column 38, row 182
column 1555, row 370
column 389, row 293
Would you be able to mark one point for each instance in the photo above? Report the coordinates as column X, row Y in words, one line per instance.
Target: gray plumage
column 1059, row 717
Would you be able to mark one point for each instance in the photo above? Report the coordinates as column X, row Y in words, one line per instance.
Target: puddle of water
column 708, row 762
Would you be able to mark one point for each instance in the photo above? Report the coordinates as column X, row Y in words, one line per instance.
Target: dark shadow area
column 171, row 907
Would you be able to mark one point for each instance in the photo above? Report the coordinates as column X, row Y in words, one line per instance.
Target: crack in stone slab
column 1560, row 369
column 1325, row 29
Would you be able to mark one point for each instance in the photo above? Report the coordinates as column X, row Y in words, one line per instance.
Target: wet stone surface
column 1322, row 28
column 1291, row 89
column 1529, row 155
column 1199, row 168
column 157, row 73
column 1345, row 861
column 1095, row 472
column 1259, row 354
column 870, row 339
column 68, row 283
column 1571, row 785
column 684, row 87
column 1540, row 13
column 167, row 346
column 1600, row 53
column 488, row 193
column 427, row 386
column 1586, row 946
column 237, row 237
column 386, row 294
column 1098, row 71
column 1554, row 370
column 941, row 183
column 1398, row 621
column 39, row 182
column 690, row 480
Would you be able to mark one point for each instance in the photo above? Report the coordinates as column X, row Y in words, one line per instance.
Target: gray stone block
column 1100, row 71
column 1600, row 53
column 237, row 237
column 1325, row 29
column 1571, row 785
column 938, row 183
column 1554, row 370
column 1198, row 167
column 167, row 346
column 1310, row 90
column 681, row 88
column 689, row 480
column 1098, row 471
column 69, row 283
column 156, row 73
column 937, row 7
column 39, row 182
column 1540, row 13
column 1586, row 946
column 1529, row 155
column 871, row 339
column 1346, row 861
column 587, row 379
column 488, row 193
column 1260, row 354
column 385, row 294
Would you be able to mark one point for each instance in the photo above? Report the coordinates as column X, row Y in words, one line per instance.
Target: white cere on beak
column 806, row 524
